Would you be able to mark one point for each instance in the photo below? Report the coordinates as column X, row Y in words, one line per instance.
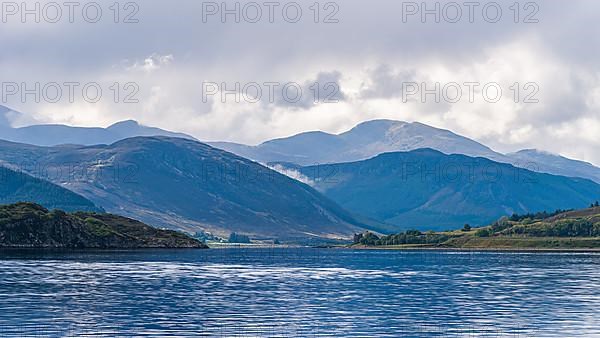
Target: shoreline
column 284, row 247
column 481, row 249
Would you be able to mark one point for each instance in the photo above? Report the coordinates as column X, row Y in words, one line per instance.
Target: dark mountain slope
column 19, row 187
column 426, row 189
column 184, row 184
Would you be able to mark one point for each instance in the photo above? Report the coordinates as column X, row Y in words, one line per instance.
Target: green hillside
column 28, row 225
column 578, row 229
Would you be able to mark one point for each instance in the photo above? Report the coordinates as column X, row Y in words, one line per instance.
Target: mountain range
column 427, row 190
column 186, row 185
column 372, row 138
column 344, row 183
column 362, row 142
column 58, row 134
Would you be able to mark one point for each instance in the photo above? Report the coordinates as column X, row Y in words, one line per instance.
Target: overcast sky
column 366, row 58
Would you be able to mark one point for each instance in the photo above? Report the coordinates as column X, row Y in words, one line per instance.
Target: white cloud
column 292, row 173
column 369, row 54
column 151, row 63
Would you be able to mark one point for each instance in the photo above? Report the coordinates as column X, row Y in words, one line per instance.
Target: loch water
column 298, row 292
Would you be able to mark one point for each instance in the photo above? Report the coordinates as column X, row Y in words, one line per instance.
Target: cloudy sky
column 365, row 59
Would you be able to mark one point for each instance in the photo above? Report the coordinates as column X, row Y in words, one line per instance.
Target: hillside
column 33, row 226
column 186, row 185
column 19, row 187
column 576, row 223
column 578, row 229
column 428, row 190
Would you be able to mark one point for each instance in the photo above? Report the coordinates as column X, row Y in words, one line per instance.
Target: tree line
column 408, row 237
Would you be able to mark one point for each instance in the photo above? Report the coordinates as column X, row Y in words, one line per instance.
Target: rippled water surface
column 299, row 292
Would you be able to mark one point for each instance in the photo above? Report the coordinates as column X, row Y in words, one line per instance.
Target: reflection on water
column 299, row 292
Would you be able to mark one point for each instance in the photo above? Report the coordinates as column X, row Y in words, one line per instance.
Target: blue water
column 299, row 292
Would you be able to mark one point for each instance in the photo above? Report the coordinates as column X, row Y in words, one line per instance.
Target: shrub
column 484, row 232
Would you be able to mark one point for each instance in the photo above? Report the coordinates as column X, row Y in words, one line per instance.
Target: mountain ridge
column 426, row 189
column 60, row 134
column 187, row 185
column 548, row 162
column 363, row 141
column 371, row 138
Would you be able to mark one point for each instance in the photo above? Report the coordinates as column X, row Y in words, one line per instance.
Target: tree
column 413, row 233
column 483, row 232
column 596, row 204
column 467, row 227
column 368, row 238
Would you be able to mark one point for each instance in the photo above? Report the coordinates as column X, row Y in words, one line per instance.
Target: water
column 299, row 292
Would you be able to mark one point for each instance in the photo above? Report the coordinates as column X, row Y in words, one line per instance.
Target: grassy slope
column 518, row 235
column 472, row 242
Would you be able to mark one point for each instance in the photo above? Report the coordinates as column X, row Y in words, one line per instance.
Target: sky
column 528, row 72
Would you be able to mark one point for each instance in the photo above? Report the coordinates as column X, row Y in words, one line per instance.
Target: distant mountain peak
column 535, row 151
column 379, row 125
column 125, row 124
column 59, row 134
column 366, row 140
column 393, row 124
column 380, row 122
column 544, row 161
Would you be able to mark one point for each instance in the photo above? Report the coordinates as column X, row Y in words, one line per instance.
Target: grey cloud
column 324, row 89
column 385, row 82
column 369, row 35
